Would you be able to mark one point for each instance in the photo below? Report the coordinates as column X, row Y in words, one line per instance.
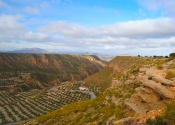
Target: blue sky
column 145, row 27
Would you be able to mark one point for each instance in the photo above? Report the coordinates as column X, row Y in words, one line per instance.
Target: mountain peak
column 30, row 50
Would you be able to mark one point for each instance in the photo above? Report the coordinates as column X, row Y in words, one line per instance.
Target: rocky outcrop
column 160, row 89
column 158, row 76
column 147, row 95
column 144, row 100
column 155, row 90
column 136, row 104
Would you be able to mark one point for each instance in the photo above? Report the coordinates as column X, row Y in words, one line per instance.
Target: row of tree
column 171, row 56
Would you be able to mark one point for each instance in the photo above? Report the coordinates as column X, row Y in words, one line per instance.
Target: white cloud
column 158, row 5
column 131, row 36
column 161, row 27
column 142, row 35
column 11, row 30
column 148, row 28
column 73, row 30
column 32, row 10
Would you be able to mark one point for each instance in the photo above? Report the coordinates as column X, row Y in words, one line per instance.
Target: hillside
column 26, row 71
column 139, row 89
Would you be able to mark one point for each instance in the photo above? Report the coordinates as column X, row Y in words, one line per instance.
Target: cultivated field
column 30, row 104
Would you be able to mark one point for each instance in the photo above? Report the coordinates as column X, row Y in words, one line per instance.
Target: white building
column 83, row 88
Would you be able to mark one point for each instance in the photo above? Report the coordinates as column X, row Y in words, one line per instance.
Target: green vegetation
column 159, row 67
column 172, row 55
column 95, row 111
column 110, row 104
column 167, row 118
column 43, row 77
column 170, row 74
column 45, row 69
column 98, row 111
column 33, row 103
column 134, row 63
column 101, row 79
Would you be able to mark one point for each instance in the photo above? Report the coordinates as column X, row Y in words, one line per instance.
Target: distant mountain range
column 30, row 50
column 103, row 56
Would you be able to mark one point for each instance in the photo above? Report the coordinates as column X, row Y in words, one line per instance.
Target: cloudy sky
column 145, row 27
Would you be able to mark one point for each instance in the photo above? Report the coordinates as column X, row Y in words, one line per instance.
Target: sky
column 134, row 27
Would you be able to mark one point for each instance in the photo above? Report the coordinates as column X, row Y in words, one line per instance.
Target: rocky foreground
column 155, row 91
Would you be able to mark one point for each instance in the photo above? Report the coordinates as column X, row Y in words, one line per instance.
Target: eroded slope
column 21, row 72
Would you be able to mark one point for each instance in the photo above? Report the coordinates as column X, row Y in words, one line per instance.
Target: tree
column 154, row 56
column 172, row 56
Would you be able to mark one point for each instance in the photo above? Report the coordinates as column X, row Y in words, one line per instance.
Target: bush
column 166, row 119
column 154, row 56
column 172, row 56
column 170, row 74
column 159, row 67
column 159, row 120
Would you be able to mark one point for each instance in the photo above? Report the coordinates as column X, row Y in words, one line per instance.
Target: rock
column 115, row 101
column 144, row 100
column 156, row 75
column 121, row 121
column 110, row 120
column 143, row 69
column 147, row 95
column 135, row 70
column 115, row 83
column 163, row 81
column 132, row 77
column 136, row 104
column 129, row 82
column 158, row 88
column 151, row 98
column 151, row 72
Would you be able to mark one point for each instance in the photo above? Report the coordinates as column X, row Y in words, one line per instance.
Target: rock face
column 144, row 100
column 47, row 68
column 160, row 89
column 155, row 75
column 153, row 93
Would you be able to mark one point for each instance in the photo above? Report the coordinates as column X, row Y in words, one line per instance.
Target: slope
column 129, row 98
column 45, row 69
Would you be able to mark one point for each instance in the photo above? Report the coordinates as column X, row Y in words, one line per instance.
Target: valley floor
column 33, row 103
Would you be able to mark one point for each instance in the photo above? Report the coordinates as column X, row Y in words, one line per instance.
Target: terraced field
column 27, row 105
